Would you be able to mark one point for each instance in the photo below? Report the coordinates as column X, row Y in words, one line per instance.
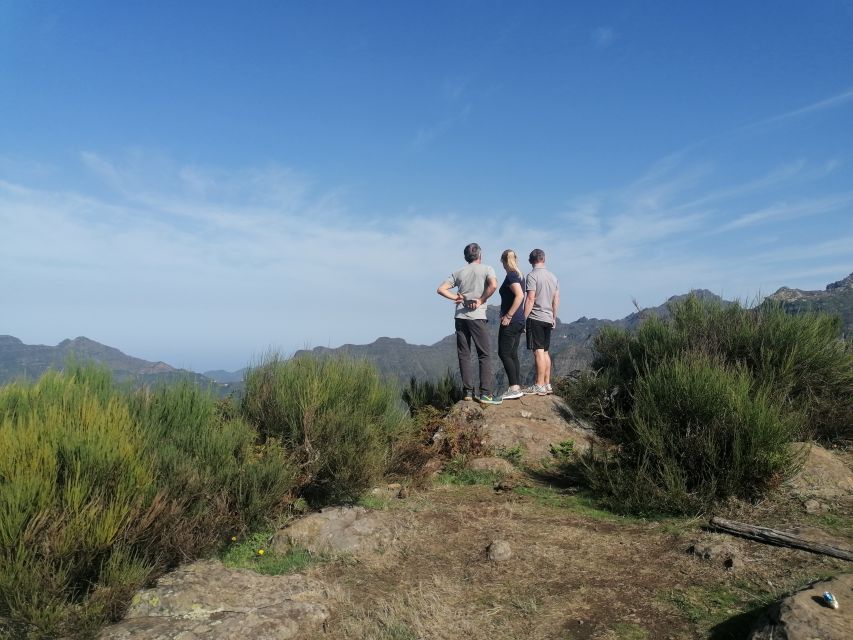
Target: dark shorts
column 538, row 334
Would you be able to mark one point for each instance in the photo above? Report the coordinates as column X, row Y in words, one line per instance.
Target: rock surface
column 353, row 530
column 533, row 422
column 824, row 476
column 803, row 616
column 499, row 551
column 207, row 600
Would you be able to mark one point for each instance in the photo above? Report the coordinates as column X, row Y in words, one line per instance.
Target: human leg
column 508, row 337
column 480, row 335
column 463, row 351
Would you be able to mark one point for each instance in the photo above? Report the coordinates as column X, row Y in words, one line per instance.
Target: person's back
column 470, row 282
column 474, row 283
column 545, row 285
column 540, row 307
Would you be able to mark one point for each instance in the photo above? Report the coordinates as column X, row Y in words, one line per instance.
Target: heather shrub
column 102, row 488
column 336, row 416
column 683, row 384
column 440, row 394
column 699, row 431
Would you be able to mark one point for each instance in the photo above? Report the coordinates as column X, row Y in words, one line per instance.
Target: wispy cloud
column 789, row 210
column 206, row 262
column 427, row 135
column 833, row 102
column 602, row 37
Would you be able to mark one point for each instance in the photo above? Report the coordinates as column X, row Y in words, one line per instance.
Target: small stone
column 499, row 551
column 733, row 563
column 813, row 506
column 707, row 551
column 403, row 493
column 526, row 414
column 504, row 485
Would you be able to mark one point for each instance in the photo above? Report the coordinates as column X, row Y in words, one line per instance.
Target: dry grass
column 572, row 575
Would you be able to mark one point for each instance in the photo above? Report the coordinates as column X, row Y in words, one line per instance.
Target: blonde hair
column 509, row 258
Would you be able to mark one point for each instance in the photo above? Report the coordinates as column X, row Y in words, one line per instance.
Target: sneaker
column 484, row 399
column 548, row 389
column 534, row 390
column 512, row 395
column 469, row 395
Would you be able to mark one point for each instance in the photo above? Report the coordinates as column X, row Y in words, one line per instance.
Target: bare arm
column 528, row 302
column 555, row 305
column 444, row 290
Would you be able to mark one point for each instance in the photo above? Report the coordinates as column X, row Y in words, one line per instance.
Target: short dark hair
column 536, row 256
column 472, row 252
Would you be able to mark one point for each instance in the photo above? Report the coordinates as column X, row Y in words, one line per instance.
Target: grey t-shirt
column 545, row 285
column 470, row 282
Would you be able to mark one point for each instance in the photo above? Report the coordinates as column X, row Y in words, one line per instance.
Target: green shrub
column 212, row 475
column 73, row 477
column 440, row 394
column 800, row 358
column 102, row 488
column 700, row 433
column 335, row 415
column 771, row 368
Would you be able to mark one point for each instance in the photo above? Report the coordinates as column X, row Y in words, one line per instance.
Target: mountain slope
column 19, row 360
column 836, row 298
column 571, row 347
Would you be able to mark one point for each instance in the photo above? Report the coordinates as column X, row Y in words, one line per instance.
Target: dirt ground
column 575, row 572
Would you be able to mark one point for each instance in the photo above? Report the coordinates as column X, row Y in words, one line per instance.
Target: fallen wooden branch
column 779, row 538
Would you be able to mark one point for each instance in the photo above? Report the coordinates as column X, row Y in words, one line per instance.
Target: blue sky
column 196, row 182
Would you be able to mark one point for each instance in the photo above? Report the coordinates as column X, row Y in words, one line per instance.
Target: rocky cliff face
column 837, row 298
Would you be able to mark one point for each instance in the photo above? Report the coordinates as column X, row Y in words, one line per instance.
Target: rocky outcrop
column 206, row 600
column 805, row 616
column 532, row 424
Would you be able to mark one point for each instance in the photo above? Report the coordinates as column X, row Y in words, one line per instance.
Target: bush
column 335, row 415
column 700, row 432
column 440, row 394
column 102, row 488
column 770, row 366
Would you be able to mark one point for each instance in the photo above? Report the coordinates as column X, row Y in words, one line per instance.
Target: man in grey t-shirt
column 474, row 283
column 540, row 308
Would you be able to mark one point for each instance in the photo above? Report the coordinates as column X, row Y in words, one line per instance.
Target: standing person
column 540, row 308
column 474, row 284
column 512, row 323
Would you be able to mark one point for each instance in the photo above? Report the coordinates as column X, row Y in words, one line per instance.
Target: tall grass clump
column 102, row 488
column 335, row 415
column 703, row 405
column 213, row 475
column 440, row 394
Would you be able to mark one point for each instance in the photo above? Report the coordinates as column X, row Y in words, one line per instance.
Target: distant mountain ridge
column 836, row 298
column 19, row 360
column 571, row 346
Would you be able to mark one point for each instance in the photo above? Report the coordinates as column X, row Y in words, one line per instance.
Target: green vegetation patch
column 254, row 553
column 703, row 405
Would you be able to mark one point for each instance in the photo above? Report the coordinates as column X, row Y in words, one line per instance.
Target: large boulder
column 206, row 600
column 804, row 616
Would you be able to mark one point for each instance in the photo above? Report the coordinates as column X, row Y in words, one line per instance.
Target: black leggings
column 508, row 338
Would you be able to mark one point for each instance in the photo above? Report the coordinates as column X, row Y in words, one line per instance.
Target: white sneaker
column 548, row 389
column 512, row 395
column 535, row 390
